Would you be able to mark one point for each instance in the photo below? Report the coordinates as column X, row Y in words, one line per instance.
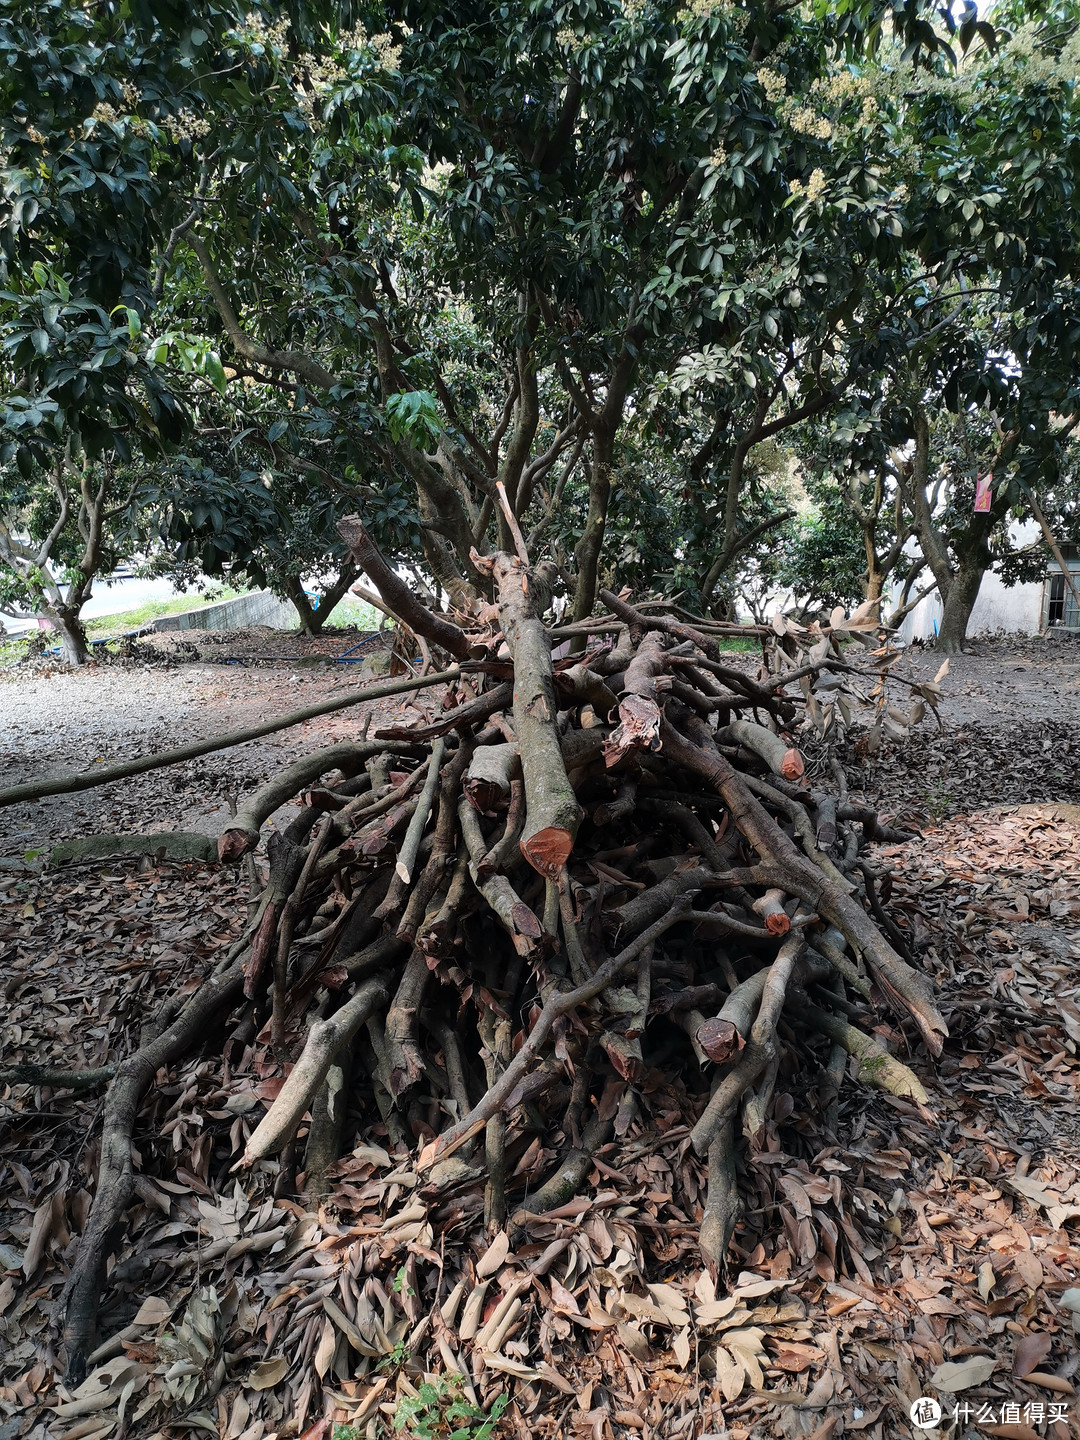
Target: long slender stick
column 35, row 789
column 410, row 846
column 512, row 524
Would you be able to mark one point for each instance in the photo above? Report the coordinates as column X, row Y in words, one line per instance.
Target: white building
column 1028, row 609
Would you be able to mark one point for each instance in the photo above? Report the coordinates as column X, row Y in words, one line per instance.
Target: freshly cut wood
column 639, row 710
column 552, row 811
column 490, row 776
column 758, row 1052
column 466, row 957
column 516, row 918
column 781, row 758
column 243, row 834
column 410, row 846
column 803, row 879
column 770, row 907
column 727, row 1033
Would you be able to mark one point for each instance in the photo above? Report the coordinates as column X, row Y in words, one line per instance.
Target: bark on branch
column 325, row 1039
column 397, row 595
column 552, row 812
column 802, row 878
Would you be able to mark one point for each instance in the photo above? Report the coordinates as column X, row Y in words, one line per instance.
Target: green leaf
column 215, row 372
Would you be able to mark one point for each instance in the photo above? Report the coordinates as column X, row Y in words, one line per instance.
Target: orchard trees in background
column 60, row 528
column 975, row 369
column 600, row 168
column 464, row 248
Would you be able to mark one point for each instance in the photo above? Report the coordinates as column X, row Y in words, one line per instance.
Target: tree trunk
column 310, row 621
column 72, row 636
column 329, row 599
column 587, row 551
column 958, row 604
column 314, row 617
column 605, row 428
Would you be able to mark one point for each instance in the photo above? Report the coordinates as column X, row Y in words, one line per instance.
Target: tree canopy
column 595, row 253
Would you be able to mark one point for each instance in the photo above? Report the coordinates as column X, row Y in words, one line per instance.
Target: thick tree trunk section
column 310, row 623
column 335, row 593
column 314, row 617
column 587, row 551
column 552, row 812
column 69, row 631
column 959, row 601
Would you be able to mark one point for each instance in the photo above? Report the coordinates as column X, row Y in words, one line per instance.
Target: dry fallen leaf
column 1050, row 1382
column 324, row 1353
column 986, row 1280
column 1031, row 1351
column 955, row 1376
column 1029, row 1268
column 153, row 1311
column 268, row 1373
column 494, row 1256
column 730, row 1374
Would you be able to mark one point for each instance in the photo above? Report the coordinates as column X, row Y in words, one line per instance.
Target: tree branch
column 292, row 361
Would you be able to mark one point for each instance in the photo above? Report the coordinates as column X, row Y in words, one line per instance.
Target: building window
column 1061, row 608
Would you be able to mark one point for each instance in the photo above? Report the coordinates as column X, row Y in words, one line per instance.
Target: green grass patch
column 349, row 611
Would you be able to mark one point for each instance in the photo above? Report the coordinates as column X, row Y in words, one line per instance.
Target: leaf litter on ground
column 910, row 1252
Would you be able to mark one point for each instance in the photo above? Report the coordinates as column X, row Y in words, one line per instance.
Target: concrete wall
column 258, row 608
column 1000, row 607
column 1013, row 608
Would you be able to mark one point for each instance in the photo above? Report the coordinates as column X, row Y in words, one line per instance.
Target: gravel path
column 1007, row 679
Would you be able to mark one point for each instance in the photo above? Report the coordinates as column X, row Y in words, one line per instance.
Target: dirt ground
column 1011, row 714
column 55, row 721
column 919, row 1250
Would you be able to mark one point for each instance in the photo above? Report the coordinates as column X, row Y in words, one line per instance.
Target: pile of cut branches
column 605, row 854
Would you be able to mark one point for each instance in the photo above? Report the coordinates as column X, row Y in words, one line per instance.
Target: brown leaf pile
column 909, row 1254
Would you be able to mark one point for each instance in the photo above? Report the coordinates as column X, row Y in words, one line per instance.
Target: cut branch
column 325, row 1038
column 803, row 879
column 397, row 595
column 552, row 812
